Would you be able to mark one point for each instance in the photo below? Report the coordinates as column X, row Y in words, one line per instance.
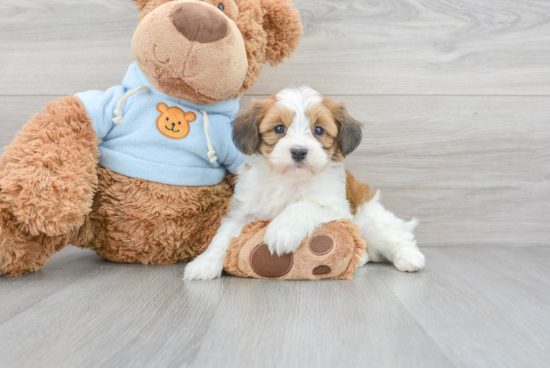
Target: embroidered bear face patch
column 173, row 122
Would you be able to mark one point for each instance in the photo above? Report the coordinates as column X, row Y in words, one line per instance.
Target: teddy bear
column 143, row 172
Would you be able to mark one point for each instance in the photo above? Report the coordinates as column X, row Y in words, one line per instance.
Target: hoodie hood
column 135, row 78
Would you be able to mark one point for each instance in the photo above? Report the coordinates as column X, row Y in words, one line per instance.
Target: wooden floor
column 471, row 307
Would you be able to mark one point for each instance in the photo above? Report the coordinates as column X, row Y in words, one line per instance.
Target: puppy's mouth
column 172, row 130
column 299, row 167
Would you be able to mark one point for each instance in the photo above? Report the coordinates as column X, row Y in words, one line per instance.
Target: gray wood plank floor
column 471, row 307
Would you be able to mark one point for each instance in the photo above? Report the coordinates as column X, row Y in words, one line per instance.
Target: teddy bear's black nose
column 200, row 23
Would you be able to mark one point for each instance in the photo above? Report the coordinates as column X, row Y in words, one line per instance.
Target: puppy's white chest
column 281, row 196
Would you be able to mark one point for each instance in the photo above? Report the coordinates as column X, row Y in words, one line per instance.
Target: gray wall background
column 454, row 94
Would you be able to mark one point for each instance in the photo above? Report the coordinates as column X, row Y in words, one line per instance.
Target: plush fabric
column 205, row 73
column 53, row 191
column 138, row 147
column 138, row 221
column 48, row 172
column 338, row 261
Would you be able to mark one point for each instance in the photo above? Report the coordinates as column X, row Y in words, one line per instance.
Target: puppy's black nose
column 298, row 154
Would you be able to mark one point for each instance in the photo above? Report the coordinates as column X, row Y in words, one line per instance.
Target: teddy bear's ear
column 141, row 4
column 283, row 25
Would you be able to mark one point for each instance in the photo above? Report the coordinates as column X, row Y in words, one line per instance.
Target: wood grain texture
column 484, row 307
column 116, row 316
column 474, row 170
column 471, row 307
column 349, row 47
column 19, row 294
column 315, row 324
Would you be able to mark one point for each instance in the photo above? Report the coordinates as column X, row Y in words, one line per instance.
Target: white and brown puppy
column 295, row 142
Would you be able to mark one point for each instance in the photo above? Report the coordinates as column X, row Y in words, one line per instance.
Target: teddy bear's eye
column 179, row 122
column 167, row 119
column 220, row 6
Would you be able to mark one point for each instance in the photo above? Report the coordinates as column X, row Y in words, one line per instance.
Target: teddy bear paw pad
column 321, row 270
column 270, row 265
column 321, row 244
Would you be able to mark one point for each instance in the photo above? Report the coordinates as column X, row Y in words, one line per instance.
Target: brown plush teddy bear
column 158, row 190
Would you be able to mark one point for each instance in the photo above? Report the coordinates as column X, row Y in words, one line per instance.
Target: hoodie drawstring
column 118, row 119
column 211, row 152
column 118, row 111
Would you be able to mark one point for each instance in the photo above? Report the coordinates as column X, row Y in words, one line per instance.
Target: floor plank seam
column 49, row 296
column 415, row 319
column 200, row 342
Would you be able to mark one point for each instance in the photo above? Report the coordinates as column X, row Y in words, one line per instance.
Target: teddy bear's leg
column 334, row 251
column 21, row 253
column 47, row 183
column 137, row 221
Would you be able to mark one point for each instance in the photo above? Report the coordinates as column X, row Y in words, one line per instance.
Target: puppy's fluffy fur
column 295, row 142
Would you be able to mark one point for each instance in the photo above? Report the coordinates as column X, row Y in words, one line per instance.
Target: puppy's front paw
column 282, row 237
column 204, row 267
column 409, row 260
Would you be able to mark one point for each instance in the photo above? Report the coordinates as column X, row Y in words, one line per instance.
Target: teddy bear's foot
column 21, row 254
column 334, row 251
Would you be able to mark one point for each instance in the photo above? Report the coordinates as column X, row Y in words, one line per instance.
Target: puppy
column 295, row 143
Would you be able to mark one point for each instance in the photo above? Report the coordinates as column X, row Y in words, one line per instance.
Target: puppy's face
column 297, row 131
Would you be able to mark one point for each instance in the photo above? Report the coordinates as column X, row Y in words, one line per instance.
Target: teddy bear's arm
column 100, row 106
column 48, row 173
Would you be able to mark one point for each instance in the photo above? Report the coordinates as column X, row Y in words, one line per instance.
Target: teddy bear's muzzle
column 199, row 23
column 191, row 50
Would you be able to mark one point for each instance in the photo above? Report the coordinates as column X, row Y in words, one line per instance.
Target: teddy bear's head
column 212, row 50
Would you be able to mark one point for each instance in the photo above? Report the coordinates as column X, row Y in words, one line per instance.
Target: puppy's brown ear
column 351, row 131
column 283, row 26
column 245, row 129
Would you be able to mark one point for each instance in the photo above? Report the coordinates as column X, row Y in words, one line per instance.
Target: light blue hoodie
column 135, row 147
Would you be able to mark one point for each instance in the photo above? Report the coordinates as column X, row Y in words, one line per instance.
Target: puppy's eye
column 220, row 6
column 280, row 129
column 318, row 131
